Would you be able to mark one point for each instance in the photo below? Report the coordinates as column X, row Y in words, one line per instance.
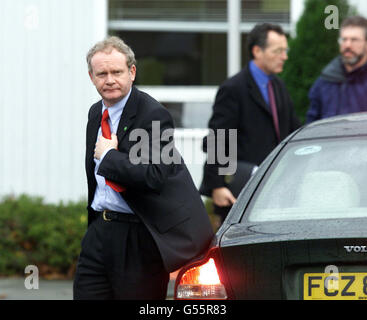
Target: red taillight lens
column 201, row 281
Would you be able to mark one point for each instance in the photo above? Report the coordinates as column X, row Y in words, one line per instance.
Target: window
column 169, row 58
column 183, row 43
column 314, row 180
column 177, row 10
column 275, row 11
column 198, row 10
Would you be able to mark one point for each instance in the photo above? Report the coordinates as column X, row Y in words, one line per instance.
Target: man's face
column 111, row 76
column 353, row 47
column 271, row 59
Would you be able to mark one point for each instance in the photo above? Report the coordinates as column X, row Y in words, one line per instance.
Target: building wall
column 46, row 94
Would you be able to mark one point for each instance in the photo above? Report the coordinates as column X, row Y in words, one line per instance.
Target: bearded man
column 342, row 85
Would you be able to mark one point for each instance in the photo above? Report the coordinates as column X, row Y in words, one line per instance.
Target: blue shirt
column 105, row 198
column 261, row 79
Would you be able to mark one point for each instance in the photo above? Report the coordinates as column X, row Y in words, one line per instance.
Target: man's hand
column 223, row 197
column 103, row 144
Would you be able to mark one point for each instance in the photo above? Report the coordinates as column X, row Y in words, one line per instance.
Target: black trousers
column 119, row 260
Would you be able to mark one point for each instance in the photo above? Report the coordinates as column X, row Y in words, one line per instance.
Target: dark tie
column 106, row 133
column 273, row 108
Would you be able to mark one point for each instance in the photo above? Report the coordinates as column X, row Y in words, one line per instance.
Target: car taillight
column 200, row 281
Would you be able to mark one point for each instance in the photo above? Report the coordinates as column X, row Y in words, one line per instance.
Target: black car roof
column 339, row 126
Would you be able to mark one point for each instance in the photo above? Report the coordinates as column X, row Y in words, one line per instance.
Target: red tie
column 273, row 108
column 106, row 133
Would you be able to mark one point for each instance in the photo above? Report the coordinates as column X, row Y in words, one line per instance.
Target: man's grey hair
column 107, row 45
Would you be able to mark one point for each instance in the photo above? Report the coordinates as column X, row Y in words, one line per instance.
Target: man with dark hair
column 259, row 36
column 342, row 85
column 256, row 103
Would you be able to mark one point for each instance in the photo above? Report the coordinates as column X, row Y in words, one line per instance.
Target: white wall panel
column 189, row 144
column 46, row 94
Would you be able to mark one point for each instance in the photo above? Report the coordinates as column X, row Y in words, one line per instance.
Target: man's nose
column 110, row 79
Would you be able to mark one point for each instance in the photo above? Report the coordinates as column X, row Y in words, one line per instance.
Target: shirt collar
column 115, row 111
column 260, row 76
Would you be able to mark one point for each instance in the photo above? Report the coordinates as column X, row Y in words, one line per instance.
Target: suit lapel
column 278, row 95
column 92, row 132
column 255, row 93
column 94, row 123
column 128, row 115
column 279, row 104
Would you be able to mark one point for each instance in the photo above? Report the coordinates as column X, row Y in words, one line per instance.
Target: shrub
column 45, row 235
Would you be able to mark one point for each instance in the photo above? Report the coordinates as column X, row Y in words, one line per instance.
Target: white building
column 46, row 92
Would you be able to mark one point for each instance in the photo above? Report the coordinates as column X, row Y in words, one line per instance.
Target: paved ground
column 14, row 289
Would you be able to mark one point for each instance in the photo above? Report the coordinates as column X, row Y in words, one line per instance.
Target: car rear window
column 319, row 179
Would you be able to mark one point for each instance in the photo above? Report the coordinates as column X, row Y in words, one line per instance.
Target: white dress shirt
column 105, row 198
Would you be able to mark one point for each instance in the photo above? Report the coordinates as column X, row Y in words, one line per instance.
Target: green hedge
column 45, row 235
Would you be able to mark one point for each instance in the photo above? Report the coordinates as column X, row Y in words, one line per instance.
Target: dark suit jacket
column 162, row 195
column 240, row 105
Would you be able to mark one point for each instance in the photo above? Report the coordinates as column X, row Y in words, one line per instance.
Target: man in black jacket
column 145, row 216
column 256, row 103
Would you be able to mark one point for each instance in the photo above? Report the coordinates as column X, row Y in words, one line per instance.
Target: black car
column 299, row 227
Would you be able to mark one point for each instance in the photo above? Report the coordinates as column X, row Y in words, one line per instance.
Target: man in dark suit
column 145, row 218
column 246, row 102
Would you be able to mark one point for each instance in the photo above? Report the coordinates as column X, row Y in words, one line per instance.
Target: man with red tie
column 145, row 219
column 256, row 103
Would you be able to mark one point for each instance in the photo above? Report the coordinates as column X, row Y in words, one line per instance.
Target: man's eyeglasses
column 352, row 40
column 279, row 51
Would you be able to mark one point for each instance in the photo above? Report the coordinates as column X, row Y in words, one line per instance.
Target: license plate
column 335, row 286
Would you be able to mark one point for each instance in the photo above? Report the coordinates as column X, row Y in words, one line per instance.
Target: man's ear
column 256, row 51
column 91, row 76
column 132, row 72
